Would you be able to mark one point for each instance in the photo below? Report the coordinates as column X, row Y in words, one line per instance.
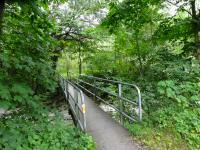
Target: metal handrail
column 76, row 101
column 112, row 94
column 119, row 96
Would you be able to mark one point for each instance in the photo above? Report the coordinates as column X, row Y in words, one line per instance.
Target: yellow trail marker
column 83, row 108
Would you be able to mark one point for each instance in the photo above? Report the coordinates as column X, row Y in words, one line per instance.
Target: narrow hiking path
column 107, row 133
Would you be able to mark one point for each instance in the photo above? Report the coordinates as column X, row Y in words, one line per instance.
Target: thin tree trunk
column 138, row 53
column 80, row 61
column 195, row 28
column 2, row 6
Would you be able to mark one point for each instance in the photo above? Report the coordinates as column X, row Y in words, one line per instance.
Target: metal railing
column 76, row 101
column 84, row 82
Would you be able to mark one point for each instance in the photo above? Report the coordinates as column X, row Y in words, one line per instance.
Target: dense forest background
column 153, row 43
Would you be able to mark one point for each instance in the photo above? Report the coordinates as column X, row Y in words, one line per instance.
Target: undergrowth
column 157, row 138
column 27, row 131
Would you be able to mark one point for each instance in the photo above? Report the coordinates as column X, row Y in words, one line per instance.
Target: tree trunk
column 139, row 55
column 195, row 28
column 80, row 61
column 2, row 6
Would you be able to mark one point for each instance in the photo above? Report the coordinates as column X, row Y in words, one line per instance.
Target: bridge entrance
column 108, row 134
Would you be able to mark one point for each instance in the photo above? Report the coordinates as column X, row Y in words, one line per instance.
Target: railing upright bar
column 95, row 90
column 121, row 102
column 67, row 89
column 84, row 111
column 139, row 104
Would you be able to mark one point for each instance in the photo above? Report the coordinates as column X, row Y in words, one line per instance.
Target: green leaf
column 170, row 93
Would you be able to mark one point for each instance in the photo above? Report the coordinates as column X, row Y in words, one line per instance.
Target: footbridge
column 86, row 93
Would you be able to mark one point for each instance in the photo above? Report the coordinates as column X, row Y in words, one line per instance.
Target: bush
column 23, row 131
column 183, row 110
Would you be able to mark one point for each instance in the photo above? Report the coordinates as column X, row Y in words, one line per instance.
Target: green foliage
column 183, row 109
column 130, row 13
column 156, row 138
column 28, row 57
column 23, row 130
column 148, row 47
column 157, row 51
column 25, row 56
column 96, row 66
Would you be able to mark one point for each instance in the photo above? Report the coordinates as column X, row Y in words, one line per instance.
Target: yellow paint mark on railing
column 83, row 108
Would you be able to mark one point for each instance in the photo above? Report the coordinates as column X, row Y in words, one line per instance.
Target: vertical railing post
column 64, row 87
column 67, row 89
column 76, row 104
column 95, row 90
column 121, row 102
column 140, row 105
column 61, row 82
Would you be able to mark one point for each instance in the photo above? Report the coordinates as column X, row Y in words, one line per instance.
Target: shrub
column 23, row 130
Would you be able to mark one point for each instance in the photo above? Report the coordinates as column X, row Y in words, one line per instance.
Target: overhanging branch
column 182, row 8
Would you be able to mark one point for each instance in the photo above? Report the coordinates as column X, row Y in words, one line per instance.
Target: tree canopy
column 153, row 43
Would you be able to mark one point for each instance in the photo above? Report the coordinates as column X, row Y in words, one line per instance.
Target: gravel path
column 107, row 133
